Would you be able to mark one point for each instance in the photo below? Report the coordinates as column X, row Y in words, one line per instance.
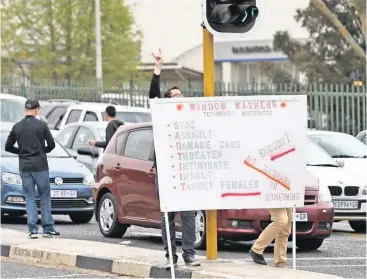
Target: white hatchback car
column 96, row 112
column 348, row 190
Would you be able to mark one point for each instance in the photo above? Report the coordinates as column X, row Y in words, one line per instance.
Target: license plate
column 345, row 204
column 63, row 194
column 301, row 217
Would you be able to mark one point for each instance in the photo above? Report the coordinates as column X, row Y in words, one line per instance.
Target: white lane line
column 63, row 276
column 336, row 265
column 318, row 259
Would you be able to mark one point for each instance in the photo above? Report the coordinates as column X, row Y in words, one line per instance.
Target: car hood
column 337, row 176
column 63, row 167
column 355, row 165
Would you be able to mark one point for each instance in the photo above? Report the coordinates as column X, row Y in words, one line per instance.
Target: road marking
column 319, row 259
column 63, row 276
column 331, row 265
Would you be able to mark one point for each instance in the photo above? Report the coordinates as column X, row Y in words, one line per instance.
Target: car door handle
column 151, row 173
column 117, row 167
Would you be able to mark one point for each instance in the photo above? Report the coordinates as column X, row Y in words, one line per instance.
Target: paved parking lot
column 344, row 254
column 17, row 269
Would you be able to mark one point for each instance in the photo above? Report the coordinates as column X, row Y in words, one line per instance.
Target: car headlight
column 89, row 180
column 364, row 192
column 11, row 178
column 324, row 194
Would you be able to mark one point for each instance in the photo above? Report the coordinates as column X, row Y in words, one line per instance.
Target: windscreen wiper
column 344, row 156
column 323, row 165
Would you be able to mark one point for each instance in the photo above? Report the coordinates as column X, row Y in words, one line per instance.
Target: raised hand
column 158, row 58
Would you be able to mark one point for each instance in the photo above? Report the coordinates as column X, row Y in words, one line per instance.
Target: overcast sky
column 174, row 25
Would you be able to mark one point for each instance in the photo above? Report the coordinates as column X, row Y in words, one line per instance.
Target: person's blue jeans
column 29, row 182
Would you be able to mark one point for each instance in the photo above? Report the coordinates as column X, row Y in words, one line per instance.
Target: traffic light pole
column 209, row 91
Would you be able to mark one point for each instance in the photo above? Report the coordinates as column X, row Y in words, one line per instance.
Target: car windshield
column 12, row 110
column 341, row 145
column 102, row 133
column 131, row 117
column 316, row 156
column 58, row 152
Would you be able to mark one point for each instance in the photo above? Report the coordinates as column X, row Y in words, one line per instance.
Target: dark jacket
column 155, row 92
column 31, row 135
column 111, row 128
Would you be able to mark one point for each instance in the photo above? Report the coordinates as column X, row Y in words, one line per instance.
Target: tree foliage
column 326, row 57
column 56, row 39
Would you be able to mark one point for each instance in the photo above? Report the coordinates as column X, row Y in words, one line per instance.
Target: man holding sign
column 279, row 230
column 187, row 217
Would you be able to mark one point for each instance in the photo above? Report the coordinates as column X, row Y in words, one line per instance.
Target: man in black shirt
column 187, row 217
column 111, row 128
column 31, row 135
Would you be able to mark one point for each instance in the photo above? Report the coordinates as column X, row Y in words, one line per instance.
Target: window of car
column 55, row 116
column 74, row 116
column 57, row 152
column 316, row 156
column 139, row 145
column 340, row 145
column 120, row 140
column 81, row 139
column 65, row 135
column 90, row 116
column 12, row 110
column 131, row 116
column 364, row 139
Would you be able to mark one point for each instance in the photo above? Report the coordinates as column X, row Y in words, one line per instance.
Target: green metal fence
column 341, row 108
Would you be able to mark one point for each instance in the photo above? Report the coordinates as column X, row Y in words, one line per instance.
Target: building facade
column 239, row 61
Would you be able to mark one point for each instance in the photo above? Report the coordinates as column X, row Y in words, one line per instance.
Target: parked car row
column 59, row 114
column 118, row 187
column 125, row 194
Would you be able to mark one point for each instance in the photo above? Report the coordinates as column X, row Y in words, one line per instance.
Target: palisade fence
column 332, row 107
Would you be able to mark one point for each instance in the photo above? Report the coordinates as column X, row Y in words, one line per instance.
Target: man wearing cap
column 31, row 135
column 111, row 128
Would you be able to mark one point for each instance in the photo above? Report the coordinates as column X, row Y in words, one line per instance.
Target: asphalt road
column 343, row 254
column 17, row 269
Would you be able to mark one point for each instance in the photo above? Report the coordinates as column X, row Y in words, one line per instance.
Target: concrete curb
column 124, row 267
column 129, row 267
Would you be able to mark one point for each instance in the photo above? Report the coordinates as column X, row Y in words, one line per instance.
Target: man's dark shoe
column 167, row 265
column 257, row 258
column 51, row 234
column 33, row 235
column 191, row 261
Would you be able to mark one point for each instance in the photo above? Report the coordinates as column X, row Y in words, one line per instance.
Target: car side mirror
column 340, row 163
column 88, row 151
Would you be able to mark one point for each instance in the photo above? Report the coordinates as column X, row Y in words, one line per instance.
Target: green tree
column 56, row 39
column 326, row 57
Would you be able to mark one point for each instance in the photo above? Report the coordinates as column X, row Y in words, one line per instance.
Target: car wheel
column 200, row 230
column 309, row 244
column 358, row 226
column 81, row 217
column 107, row 218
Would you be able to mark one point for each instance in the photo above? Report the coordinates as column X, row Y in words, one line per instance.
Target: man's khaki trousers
column 279, row 230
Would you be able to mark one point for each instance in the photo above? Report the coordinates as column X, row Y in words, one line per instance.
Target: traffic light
column 223, row 16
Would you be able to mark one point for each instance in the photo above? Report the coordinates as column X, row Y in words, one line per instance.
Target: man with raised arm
column 187, row 217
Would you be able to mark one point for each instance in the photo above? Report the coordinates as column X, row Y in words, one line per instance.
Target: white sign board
column 230, row 152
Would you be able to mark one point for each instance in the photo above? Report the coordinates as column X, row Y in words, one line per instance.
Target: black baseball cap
column 32, row 104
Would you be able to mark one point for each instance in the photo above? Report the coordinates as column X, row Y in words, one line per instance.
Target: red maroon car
column 125, row 195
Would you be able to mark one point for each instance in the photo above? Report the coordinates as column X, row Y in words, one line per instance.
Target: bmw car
column 71, row 184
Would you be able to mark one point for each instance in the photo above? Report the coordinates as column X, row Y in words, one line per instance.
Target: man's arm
column 154, row 90
column 11, row 140
column 110, row 130
column 49, row 139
